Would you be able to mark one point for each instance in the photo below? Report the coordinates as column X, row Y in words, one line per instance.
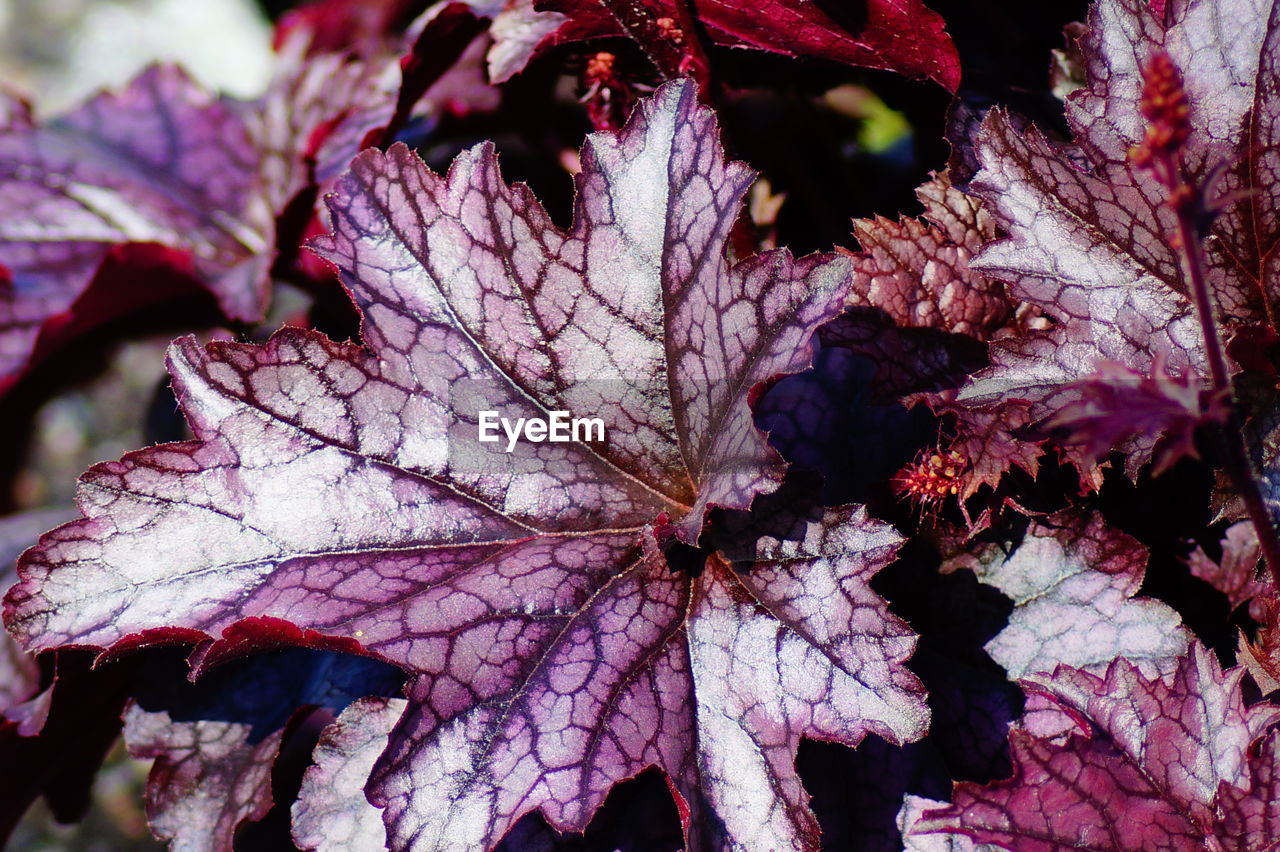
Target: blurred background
column 57, row 53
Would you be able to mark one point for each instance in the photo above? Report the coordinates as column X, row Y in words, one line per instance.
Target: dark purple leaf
column 1150, row 765
column 828, row 420
column 337, row 496
column 917, row 271
column 161, row 162
column 856, row 794
column 908, row 360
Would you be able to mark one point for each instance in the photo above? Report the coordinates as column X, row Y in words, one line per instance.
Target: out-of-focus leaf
column 215, row 743
column 161, row 162
column 895, row 35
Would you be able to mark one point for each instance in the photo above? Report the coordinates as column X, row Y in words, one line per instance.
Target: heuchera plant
column 953, row 528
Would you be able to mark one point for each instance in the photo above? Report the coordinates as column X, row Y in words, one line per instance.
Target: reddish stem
column 1165, row 106
column 1236, row 456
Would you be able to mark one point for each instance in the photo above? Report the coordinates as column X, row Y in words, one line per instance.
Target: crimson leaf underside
column 341, row 499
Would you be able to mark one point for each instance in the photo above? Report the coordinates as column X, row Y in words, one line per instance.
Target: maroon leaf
column 334, row 26
column 78, row 721
column 991, row 441
column 1151, row 765
column 443, row 36
column 1261, row 656
column 342, row 499
column 1090, row 233
column 917, row 270
column 1235, row 574
column 903, row 36
column 1119, row 408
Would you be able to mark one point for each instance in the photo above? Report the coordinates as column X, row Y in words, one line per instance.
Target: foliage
column 953, row 528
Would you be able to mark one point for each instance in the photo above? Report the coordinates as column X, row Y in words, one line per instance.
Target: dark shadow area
column 262, row 690
column 638, row 815
column 828, row 421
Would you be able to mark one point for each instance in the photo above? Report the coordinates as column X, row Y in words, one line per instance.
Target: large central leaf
column 339, row 495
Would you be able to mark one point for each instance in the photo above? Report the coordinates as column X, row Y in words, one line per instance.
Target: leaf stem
column 1165, row 106
column 1231, row 434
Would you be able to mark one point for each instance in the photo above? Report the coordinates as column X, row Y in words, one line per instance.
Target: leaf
column 215, row 743
column 906, row 37
column 60, row 745
column 1254, row 813
column 917, row 270
column 1152, row 765
column 518, row 31
column 58, row 734
column 828, row 421
column 342, row 499
column 1089, row 232
column 19, row 673
column 1235, row 573
column 913, row 809
column 1072, row 580
column 908, row 360
column 1261, row 657
column 206, row 779
column 331, row 812
column 1117, row 407
column 161, row 162
column 165, row 162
